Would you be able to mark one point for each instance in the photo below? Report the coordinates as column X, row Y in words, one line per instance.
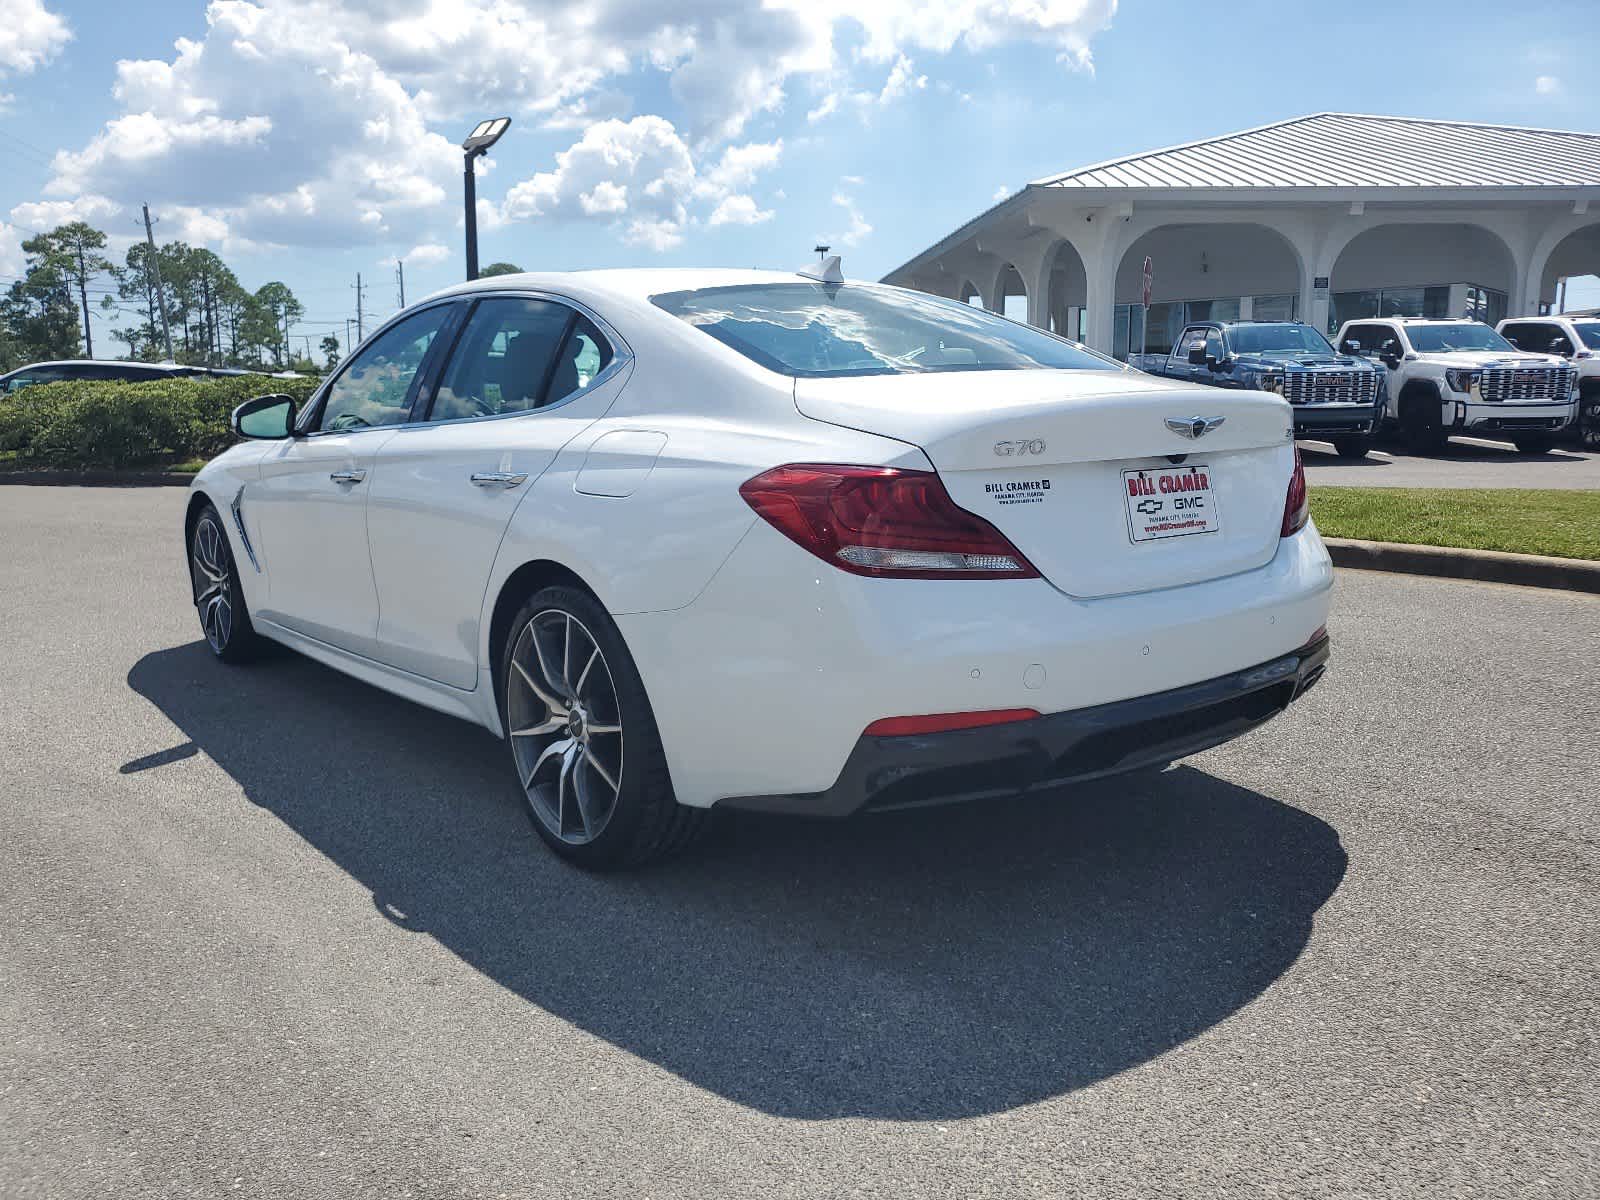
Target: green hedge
column 108, row 424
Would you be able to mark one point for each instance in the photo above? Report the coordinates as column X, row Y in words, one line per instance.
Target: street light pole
column 483, row 135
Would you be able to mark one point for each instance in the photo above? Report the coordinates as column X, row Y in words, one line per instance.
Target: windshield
column 817, row 330
column 1262, row 339
column 1589, row 331
column 1443, row 339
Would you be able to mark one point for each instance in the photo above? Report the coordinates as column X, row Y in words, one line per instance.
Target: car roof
column 630, row 284
column 106, row 362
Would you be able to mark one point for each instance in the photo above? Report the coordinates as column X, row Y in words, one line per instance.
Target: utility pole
column 155, row 271
column 348, row 344
column 400, row 275
column 360, row 334
column 83, row 295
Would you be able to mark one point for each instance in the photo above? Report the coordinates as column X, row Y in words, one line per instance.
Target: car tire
column 1419, row 420
column 1589, row 419
column 583, row 737
column 1355, row 446
column 1539, row 443
column 218, row 598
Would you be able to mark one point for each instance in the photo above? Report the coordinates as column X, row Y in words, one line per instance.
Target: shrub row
column 103, row 423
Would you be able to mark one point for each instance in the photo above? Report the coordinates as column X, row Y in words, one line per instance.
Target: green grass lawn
column 1565, row 524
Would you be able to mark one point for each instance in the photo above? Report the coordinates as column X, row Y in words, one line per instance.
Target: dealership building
column 1324, row 218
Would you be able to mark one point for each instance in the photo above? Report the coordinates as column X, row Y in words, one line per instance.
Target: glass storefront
column 1481, row 303
column 1132, row 333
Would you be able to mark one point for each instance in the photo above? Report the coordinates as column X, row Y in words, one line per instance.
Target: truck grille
column 1526, row 383
column 1330, row 387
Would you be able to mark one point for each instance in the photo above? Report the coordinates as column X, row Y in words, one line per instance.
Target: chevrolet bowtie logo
column 1193, row 427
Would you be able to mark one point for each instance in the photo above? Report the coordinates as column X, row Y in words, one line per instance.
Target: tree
column 500, row 268
column 330, row 349
column 73, row 251
column 38, row 315
column 276, row 302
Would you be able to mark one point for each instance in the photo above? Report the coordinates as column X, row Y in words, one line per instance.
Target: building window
column 1482, row 304
column 1485, row 304
column 1276, row 308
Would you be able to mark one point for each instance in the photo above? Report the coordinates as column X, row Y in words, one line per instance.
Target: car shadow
column 1320, row 455
column 921, row 965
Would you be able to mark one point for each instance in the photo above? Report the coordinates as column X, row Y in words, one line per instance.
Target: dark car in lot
column 1336, row 397
column 90, row 368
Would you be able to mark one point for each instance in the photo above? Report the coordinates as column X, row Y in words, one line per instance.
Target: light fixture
column 484, row 134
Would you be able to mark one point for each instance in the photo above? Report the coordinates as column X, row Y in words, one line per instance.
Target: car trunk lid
column 1062, row 461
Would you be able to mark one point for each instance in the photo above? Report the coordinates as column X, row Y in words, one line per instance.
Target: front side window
column 1447, row 339
column 28, row 378
column 518, row 354
column 375, row 389
column 817, row 330
column 1214, row 347
column 1589, row 331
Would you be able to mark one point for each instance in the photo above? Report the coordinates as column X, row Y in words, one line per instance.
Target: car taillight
column 884, row 522
column 1296, row 505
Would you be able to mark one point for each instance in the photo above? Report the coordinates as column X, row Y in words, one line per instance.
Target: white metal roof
column 1351, row 150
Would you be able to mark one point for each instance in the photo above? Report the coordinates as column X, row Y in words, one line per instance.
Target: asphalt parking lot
column 1464, row 463
column 270, row 932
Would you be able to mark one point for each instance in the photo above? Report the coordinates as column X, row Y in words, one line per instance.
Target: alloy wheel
column 565, row 726
column 213, row 592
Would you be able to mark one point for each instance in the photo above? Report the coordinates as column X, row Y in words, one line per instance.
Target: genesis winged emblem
column 1193, row 427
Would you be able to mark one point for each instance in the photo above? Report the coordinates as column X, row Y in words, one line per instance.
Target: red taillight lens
column 883, row 521
column 944, row 722
column 1296, row 506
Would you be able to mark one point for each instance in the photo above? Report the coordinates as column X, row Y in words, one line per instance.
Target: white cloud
column 738, row 210
column 324, row 122
column 427, row 252
column 855, row 231
column 30, row 36
column 12, row 261
column 1547, row 85
column 1000, row 193
column 641, row 177
column 902, row 80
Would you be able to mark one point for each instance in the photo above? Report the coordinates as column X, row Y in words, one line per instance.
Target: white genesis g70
column 687, row 539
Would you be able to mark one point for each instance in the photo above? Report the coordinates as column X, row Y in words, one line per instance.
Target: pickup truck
column 1576, row 339
column 1458, row 376
column 1336, row 398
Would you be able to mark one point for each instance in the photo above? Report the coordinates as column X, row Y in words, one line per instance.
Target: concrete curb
column 98, row 478
column 1489, row 566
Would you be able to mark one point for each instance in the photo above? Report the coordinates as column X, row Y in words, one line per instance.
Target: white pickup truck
column 1576, row 339
column 1461, row 377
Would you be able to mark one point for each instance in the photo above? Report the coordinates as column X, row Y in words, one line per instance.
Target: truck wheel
column 1419, row 420
column 1589, row 419
column 1354, row 445
column 1536, row 443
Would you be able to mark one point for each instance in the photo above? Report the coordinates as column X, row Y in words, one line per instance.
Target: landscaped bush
column 109, row 424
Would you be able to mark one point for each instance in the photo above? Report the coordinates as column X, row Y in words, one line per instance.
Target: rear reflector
column 883, row 521
column 944, row 722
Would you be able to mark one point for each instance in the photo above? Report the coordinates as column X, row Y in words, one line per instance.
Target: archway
column 1576, row 255
column 1422, row 270
column 969, row 294
column 1206, row 271
column 1066, row 292
column 1011, row 294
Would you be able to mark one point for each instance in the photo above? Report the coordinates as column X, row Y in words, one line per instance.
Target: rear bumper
column 1068, row 747
column 1313, row 419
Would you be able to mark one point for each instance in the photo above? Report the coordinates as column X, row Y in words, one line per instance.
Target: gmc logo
column 1014, row 449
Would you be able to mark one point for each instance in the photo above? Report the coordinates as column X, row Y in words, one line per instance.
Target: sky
column 312, row 140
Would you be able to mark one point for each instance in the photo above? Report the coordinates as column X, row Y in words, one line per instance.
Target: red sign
column 1149, row 274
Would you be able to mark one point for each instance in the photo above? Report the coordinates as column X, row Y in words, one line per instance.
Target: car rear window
column 822, row 330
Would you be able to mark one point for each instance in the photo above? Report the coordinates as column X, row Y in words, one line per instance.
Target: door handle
column 354, row 475
column 503, row 479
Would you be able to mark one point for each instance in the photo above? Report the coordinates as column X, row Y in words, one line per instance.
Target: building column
column 1100, row 266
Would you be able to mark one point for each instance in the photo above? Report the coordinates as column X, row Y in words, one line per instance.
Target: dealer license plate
column 1170, row 502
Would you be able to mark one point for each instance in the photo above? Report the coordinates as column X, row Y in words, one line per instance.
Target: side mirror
column 1216, row 364
column 1559, row 346
column 266, row 418
column 1351, row 346
column 1197, row 356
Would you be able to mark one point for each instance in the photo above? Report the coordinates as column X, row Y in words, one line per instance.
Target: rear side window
column 818, row 330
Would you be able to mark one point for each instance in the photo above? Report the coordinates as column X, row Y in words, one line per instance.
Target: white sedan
column 687, row 539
